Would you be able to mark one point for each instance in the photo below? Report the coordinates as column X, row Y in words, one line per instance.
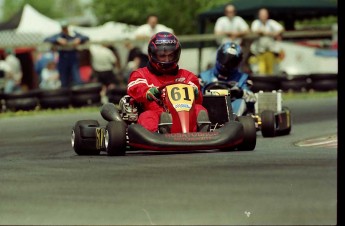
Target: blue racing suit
column 241, row 105
column 68, row 64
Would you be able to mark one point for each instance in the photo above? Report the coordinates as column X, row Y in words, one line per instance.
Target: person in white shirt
column 50, row 76
column 231, row 25
column 14, row 76
column 103, row 63
column 268, row 31
column 146, row 31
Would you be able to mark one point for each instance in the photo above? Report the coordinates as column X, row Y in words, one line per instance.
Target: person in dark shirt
column 68, row 63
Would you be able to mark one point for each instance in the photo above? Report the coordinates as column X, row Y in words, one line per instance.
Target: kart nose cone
column 106, row 139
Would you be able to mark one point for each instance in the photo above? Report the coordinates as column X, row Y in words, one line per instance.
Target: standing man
column 264, row 48
column 103, row 63
column 231, row 25
column 68, row 64
column 146, row 31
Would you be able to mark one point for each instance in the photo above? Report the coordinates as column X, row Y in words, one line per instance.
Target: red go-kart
column 122, row 132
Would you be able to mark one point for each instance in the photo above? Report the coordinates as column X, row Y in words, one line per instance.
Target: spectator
column 146, row 31
column 50, row 76
column 264, row 47
column 68, row 64
column 103, row 63
column 232, row 26
column 43, row 59
column 135, row 59
column 14, row 75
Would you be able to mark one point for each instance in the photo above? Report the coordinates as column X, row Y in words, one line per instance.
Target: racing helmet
column 164, row 43
column 229, row 57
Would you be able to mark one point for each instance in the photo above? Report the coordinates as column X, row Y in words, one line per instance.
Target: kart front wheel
column 289, row 125
column 83, row 137
column 268, row 124
column 115, row 138
column 249, row 141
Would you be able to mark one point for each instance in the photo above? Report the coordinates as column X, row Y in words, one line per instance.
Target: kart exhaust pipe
column 110, row 113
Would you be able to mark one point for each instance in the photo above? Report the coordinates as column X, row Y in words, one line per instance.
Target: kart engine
column 128, row 110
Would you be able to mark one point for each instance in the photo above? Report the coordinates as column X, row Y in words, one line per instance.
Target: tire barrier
column 298, row 83
column 265, row 82
column 324, row 82
column 59, row 98
column 24, row 101
column 114, row 95
column 86, row 94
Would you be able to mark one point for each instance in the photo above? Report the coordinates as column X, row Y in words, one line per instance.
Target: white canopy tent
column 33, row 27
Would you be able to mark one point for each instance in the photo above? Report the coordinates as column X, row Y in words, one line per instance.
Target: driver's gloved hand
column 196, row 92
column 152, row 94
column 249, row 96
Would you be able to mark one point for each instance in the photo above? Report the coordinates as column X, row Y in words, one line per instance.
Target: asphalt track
column 42, row 180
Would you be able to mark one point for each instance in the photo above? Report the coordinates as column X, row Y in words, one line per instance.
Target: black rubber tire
column 88, row 88
column 249, row 128
column 288, row 130
column 298, row 83
column 265, row 83
column 22, row 95
column 324, row 85
column 24, row 104
column 114, row 95
column 321, row 77
column 268, row 124
column 62, row 92
column 55, row 102
column 84, row 146
column 79, row 100
column 115, row 135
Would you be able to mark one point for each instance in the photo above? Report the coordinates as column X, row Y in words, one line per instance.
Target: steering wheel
column 235, row 91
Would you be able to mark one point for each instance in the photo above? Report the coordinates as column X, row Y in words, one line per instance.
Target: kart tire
column 249, row 141
column 268, row 124
column 84, row 145
column 115, row 138
column 287, row 130
column 87, row 99
column 55, row 102
column 24, row 104
column 298, row 83
column 88, row 88
column 325, row 85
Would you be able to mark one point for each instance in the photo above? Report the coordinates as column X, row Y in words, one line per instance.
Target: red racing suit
column 141, row 80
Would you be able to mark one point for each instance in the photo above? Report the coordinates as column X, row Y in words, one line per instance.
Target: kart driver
column 164, row 51
column 226, row 69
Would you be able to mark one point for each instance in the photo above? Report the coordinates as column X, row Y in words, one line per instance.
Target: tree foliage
column 181, row 15
column 51, row 8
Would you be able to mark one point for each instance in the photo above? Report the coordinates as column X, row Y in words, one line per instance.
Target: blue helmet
column 229, row 57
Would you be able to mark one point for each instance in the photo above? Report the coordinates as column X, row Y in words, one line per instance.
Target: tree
column 51, row 8
column 180, row 15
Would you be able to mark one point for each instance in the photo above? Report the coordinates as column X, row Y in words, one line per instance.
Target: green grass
column 286, row 96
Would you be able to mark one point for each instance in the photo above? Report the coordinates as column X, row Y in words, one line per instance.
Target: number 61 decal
column 181, row 96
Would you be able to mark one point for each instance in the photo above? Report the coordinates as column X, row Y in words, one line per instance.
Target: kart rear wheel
column 249, row 141
column 115, row 138
column 268, row 124
column 84, row 145
column 287, row 130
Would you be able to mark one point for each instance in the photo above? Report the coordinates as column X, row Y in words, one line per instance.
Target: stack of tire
column 296, row 83
column 21, row 101
column 53, row 99
column 115, row 94
column 265, row 83
column 86, row 95
column 324, row 82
